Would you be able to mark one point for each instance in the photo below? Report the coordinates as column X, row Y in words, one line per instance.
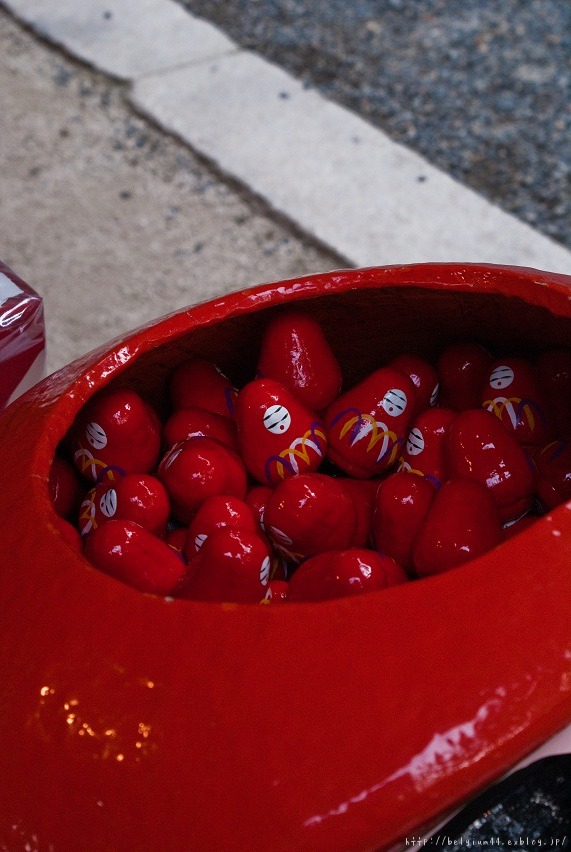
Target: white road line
column 371, row 200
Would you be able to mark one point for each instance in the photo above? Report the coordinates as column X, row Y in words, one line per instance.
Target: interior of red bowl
column 337, row 725
column 366, row 328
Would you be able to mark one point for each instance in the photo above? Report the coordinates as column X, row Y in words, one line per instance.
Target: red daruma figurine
column 340, row 573
column 200, row 384
column 463, row 369
column 366, row 427
column 199, row 468
column 126, row 551
column 277, row 436
column 232, row 565
column 480, row 447
column 309, row 514
column 115, row 434
column 401, row 505
column 513, row 394
column 296, row 353
column 423, row 376
column 461, row 524
column 137, row 497
column 425, row 450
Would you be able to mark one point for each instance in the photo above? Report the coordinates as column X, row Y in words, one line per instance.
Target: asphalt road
column 479, row 87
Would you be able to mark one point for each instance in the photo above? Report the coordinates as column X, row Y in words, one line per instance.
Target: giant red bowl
column 133, row 722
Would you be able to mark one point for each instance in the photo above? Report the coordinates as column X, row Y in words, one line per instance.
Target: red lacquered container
column 135, row 722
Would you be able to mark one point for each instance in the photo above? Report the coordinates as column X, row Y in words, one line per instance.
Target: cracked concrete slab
column 124, row 38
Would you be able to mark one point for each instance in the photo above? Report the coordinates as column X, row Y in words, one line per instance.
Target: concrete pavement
column 110, row 220
column 332, row 174
column 258, row 178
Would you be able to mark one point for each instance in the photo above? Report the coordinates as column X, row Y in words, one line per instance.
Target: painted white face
column 108, row 503
column 277, row 419
column 96, row 436
column 171, row 456
column 199, row 540
column 501, row 377
column 415, row 442
column 279, row 536
column 394, row 402
column 265, row 571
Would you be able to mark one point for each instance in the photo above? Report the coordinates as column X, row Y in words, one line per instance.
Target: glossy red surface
column 277, row 592
column 232, row 565
column 338, row 573
column 402, row 502
column 135, row 497
column 554, row 473
column 309, row 514
column 367, row 425
column 220, row 510
column 199, row 422
column 115, row 434
column 278, row 437
column 424, row 378
column 513, row 393
column 141, row 723
column 199, row 383
column 296, row 353
column 362, row 492
column 461, row 524
column 463, row 369
column 480, row 447
column 123, row 549
column 425, row 450
column 198, row 468
column 257, row 498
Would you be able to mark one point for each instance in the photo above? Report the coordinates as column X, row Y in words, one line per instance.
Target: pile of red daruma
column 290, row 489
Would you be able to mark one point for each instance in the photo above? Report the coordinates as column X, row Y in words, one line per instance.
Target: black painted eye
column 108, row 503
column 277, row 419
column 96, row 436
column 394, row 402
column 501, row 377
column 415, row 442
